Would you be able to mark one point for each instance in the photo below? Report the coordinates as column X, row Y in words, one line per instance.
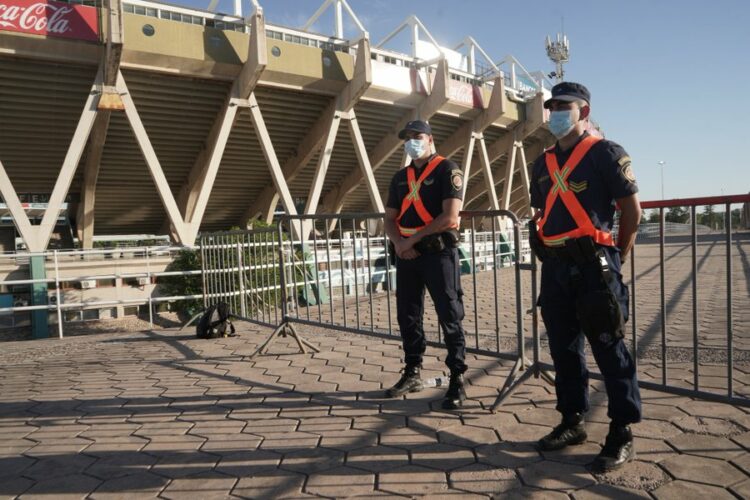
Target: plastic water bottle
column 435, row 382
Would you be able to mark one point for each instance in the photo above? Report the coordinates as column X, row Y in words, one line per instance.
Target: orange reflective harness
column 413, row 199
column 560, row 188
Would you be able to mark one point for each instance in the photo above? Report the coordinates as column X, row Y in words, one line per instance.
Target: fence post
column 148, row 275
column 57, row 298
column 241, row 278
column 282, row 274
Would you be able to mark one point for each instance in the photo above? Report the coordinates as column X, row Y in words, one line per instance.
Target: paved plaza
column 159, row 413
column 164, row 414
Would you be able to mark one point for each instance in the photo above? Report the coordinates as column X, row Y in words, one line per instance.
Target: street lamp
column 661, row 164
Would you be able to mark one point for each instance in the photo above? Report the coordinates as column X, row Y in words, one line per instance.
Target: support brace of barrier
column 529, row 369
column 285, row 328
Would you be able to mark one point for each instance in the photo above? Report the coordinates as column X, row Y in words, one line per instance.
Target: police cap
column 419, row 126
column 569, row 92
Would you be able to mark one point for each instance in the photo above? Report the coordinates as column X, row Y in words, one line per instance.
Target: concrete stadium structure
column 176, row 120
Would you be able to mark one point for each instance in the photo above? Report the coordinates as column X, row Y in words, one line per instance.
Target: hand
column 410, row 254
column 403, row 245
column 405, row 249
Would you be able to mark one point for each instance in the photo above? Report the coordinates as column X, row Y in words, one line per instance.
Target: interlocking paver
column 341, row 482
column 11, row 487
column 187, row 426
column 377, row 458
column 208, row 485
column 65, row 487
column 118, row 464
column 140, row 484
column 556, row 476
column 608, row 491
column 442, row 456
column 484, row 479
column 181, row 464
column 272, row 484
column 703, row 470
column 707, row 446
column 684, row 490
column 414, row 480
column 312, row 460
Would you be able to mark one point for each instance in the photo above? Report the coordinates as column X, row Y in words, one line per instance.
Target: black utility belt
column 576, row 250
column 438, row 242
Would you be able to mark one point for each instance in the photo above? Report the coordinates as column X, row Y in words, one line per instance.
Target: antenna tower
column 559, row 52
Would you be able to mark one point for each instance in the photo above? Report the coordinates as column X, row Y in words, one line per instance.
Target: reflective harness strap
column 560, row 188
column 413, row 198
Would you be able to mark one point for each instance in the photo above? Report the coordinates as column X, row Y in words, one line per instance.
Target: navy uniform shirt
column 445, row 182
column 603, row 175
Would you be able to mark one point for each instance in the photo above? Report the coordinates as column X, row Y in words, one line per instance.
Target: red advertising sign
column 49, row 18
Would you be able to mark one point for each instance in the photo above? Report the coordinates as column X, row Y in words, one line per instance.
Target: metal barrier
column 332, row 278
column 65, row 282
column 704, row 346
column 241, row 268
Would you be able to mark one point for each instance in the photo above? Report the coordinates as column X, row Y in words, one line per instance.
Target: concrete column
column 39, row 318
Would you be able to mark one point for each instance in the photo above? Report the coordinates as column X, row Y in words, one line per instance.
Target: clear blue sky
column 669, row 79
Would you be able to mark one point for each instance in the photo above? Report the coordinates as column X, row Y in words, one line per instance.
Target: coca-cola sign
column 50, row 18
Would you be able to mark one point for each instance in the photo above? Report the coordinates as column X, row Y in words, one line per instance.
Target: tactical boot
column 617, row 451
column 455, row 395
column 570, row 431
column 410, row 381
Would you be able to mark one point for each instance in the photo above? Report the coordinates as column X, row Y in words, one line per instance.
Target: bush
column 186, row 260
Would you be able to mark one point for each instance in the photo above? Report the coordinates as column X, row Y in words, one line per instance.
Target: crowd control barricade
column 694, row 340
column 244, row 269
column 340, row 273
column 689, row 282
column 82, row 285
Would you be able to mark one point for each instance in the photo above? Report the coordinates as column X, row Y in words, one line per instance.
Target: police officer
column 421, row 219
column 576, row 185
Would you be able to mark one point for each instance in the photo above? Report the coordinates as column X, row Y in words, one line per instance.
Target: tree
column 654, row 216
column 186, row 260
column 677, row 214
column 736, row 218
column 711, row 218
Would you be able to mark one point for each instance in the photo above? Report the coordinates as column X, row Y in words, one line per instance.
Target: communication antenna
column 559, row 52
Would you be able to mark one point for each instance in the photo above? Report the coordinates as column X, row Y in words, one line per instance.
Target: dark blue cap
column 419, row 126
column 568, row 91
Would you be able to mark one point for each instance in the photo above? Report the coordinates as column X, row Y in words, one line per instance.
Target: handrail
column 694, row 202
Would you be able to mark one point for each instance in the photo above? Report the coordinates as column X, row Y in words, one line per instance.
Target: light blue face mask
column 561, row 122
column 415, row 148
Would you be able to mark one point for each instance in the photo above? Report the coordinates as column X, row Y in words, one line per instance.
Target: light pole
column 661, row 164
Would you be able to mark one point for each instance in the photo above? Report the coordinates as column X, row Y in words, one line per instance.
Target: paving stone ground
column 162, row 414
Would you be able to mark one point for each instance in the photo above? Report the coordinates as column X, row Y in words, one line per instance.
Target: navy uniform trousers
column 557, row 299
column 439, row 273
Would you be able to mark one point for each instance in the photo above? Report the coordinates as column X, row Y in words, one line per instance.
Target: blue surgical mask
column 415, row 148
column 561, row 122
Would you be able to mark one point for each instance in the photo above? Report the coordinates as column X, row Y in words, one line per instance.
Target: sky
column 668, row 78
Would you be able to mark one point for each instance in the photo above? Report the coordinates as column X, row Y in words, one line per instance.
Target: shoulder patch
column 625, row 169
column 457, row 179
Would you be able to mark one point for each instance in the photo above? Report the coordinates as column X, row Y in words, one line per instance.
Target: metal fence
column 690, row 305
column 690, row 293
column 72, row 289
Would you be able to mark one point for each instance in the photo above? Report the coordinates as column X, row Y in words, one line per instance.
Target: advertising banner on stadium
column 49, row 18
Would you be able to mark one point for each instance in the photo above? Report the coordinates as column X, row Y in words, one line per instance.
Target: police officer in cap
column 421, row 219
column 576, row 186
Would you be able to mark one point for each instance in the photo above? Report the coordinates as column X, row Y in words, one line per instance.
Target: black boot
column 570, row 431
column 455, row 395
column 410, row 381
column 617, row 451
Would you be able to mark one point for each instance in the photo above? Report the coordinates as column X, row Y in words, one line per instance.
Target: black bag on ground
column 214, row 322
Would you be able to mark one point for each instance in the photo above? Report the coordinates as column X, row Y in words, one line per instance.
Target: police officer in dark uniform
column 576, row 186
column 421, row 219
